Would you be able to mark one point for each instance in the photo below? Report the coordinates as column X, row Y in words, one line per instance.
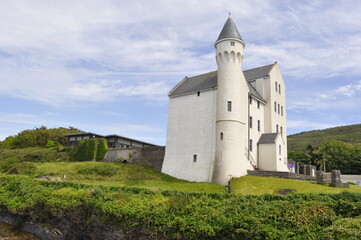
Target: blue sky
column 106, row 66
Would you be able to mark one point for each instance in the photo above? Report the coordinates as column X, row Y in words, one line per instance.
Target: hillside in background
column 350, row 134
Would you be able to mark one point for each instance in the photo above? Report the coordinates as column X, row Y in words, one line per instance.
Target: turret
column 232, row 112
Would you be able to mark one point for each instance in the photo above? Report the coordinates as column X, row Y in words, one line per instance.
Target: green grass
column 261, row 185
column 115, row 174
column 132, row 175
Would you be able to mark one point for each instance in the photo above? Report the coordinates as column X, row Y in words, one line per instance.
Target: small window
column 250, row 122
column 279, row 149
column 281, row 110
column 198, row 94
column 276, row 127
column 276, row 86
column 229, row 105
column 259, row 125
column 221, row 136
column 279, row 88
column 250, row 100
column 195, row 158
column 258, row 104
column 281, row 129
column 275, row 107
column 278, row 109
column 250, row 145
column 232, row 43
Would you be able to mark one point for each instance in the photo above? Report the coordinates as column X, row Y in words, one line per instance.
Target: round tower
column 232, row 107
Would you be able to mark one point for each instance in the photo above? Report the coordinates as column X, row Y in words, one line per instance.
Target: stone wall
column 149, row 156
column 288, row 175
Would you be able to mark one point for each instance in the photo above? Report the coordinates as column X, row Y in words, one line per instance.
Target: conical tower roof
column 229, row 31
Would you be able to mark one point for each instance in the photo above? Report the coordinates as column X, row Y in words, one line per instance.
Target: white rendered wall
column 191, row 128
column 268, row 157
column 257, row 114
column 281, row 158
column 231, row 160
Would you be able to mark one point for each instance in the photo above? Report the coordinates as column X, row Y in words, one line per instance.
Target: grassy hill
column 349, row 133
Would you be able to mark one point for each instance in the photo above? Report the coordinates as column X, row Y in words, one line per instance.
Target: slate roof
column 258, row 72
column 209, row 81
column 229, row 31
column 268, row 138
column 135, row 140
column 82, row 134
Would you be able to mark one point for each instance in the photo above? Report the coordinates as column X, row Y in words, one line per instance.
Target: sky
column 106, row 66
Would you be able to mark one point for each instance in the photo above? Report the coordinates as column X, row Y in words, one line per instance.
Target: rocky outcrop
column 61, row 228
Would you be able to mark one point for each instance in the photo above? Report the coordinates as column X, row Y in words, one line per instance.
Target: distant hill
column 349, row 133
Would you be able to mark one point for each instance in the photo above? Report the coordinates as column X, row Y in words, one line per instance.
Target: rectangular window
column 281, row 110
column 221, row 136
column 281, row 130
column 276, row 86
column 198, row 94
column 276, row 127
column 250, row 145
column 232, row 43
column 278, row 109
column 195, row 158
column 279, row 149
column 279, row 88
column 258, row 104
column 250, row 100
column 275, row 107
column 250, row 122
column 229, row 106
column 259, row 125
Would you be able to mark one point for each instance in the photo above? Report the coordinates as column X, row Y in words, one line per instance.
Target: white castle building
column 223, row 123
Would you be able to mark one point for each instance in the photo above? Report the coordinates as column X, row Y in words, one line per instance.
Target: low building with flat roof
column 114, row 141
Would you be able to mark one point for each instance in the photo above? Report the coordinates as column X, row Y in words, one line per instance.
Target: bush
column 181, row 215
column 10, row 157
column 90, row 149
column 38, row 137
column 102, row 148
column 344, row 228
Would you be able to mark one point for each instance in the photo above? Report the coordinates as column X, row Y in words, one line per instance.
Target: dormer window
column 232, row 43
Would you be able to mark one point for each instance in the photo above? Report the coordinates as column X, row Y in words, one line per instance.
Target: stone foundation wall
column 288, row 175
column 149, row 156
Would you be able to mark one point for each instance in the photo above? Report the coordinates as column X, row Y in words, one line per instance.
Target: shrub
column 344, row 228
column 102, row 148
column 90, row 149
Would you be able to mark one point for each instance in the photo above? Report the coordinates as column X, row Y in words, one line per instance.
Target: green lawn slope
column 132, row 175
column 250, row 185
column 349, row 133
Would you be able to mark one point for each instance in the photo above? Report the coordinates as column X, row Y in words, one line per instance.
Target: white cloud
column 350, row 89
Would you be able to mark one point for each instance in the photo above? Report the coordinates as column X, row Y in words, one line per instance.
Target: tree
column 299, row 156
column 340, row 155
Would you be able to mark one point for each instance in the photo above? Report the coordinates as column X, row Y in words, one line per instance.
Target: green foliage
column 340, row 155
column 85, row 150
column 299, row 156
column 38, row 137
column 102, row 170
column 90, row 149
column 102, row 149
column 180, row 215
column 349, row 134
column 26, row 168
column 344, row 228
column 10, row 157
